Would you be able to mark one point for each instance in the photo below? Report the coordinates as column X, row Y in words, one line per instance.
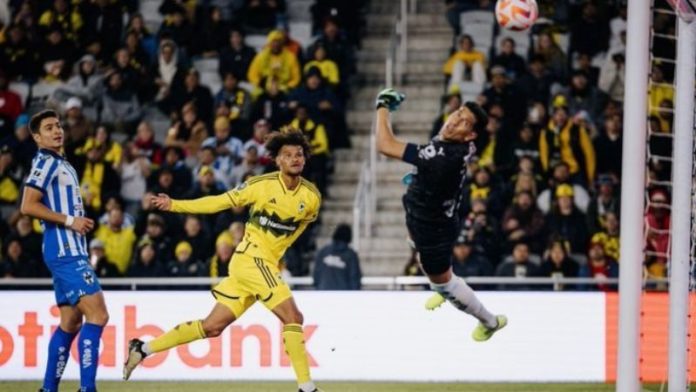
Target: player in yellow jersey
column 281, row 204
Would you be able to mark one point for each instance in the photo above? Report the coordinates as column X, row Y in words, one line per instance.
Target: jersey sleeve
column 42, row 173
column 313, row 212
column 240, row 196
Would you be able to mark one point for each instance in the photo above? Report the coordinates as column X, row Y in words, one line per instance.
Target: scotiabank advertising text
column 349, row 336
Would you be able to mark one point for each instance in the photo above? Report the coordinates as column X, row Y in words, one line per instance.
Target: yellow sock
column 181, row 334
column 293, row 338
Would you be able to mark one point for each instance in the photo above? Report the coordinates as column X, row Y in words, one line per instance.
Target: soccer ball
column 516, row 14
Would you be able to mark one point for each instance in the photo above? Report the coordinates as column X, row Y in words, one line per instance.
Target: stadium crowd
column 547, row 182
column 108, row 75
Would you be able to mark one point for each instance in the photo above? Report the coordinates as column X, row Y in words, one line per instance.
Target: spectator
column 657, row 226
column 166, row 71
column 136, row 25
column 237, row 57
column 155, row 233
column 509, row 59
column 139, row 58
column 606, row 201
column 86, row 85
column 30, row 240
column 558, row 264
column 608, row 237
column 210, row 34
column 468, row 263
column 328, row 68
column 338, row 49
column 523, row 221
column 317, row 168
column 612, row 76
column 228, row 149
column 192, row 92
column 526, row 146
column 536, row 83
column 337, row 266
column 121, row 108
column 134, row 172
column 261, row 130
column 568, row 141
column 184, row 265
column 566, row 222
column 466, row 64
column 482, row 187
column 659, row 90
column 118, row 241
column 10, row 106
column 196, row 235
column 583, row 63
column 98, row 178
column 175, row 166
column 59, row 16
column 274, row 63
column 553, row 56
column 250, row 165
column 322, row 104
column 590, row 34
column 114, row 202
column 452, row 102
column 21, row 143
column 518, row 266
column 17, row 56
column 132, row 73
column 77, row 127
column 506, row 95
column 260, row 16
column 145, row 264
column 16, row 264
column 10, row 180
column 600, row 266
column 290, row 44
column 56, row 57
column 608, row 147
column 272, row 106
column 189, row 132
column 220, row 262
column 113, row 152
column 581, row 97
column 206, row 185
column 177, row 27
column 145, row 144
column 236, row 99
column 561, row 175
column 481, row 230
column 99, row 262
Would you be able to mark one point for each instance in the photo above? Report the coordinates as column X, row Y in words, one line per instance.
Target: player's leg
column 93, row 308
column 230, row 305
column 59, row 346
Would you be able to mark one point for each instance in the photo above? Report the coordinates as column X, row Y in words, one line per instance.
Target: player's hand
column 390, row 99
column 82, row 225
column 161, row 202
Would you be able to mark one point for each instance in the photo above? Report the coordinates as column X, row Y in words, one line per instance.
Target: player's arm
column 33, row 207
column 387, row 101
column 237, row 197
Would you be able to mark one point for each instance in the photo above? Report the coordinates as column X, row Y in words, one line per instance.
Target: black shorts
column 433, row 241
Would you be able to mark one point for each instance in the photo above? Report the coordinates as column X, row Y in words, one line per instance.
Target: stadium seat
column 22, row 89
column 256, row 41
column 299, row 11
column 150, row 11
column 301, row 32
column 485, row 17
column 207, row 65
column 211, row 79
column 481, row 33
column 40, row 93
column 469, row 88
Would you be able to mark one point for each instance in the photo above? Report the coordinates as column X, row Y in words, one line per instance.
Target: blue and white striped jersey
column 53, row 175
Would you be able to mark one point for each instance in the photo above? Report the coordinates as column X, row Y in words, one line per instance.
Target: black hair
column 479, row 114
column 343, row 233
column 287, row 137
column 35, row 122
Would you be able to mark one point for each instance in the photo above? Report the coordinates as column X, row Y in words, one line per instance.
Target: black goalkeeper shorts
column 433, row 241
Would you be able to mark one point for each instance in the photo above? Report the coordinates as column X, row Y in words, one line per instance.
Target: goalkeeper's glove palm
column 390, row 99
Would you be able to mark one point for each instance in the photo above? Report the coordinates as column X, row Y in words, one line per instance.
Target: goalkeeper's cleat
column 482, row 333
column 435, row 301
column 313, row 390
column 135, row 356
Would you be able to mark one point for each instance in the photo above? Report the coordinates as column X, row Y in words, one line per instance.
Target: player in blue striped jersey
column 52, row 194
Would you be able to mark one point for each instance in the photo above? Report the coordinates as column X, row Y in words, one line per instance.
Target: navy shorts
column 433, row 241
column 73, row 278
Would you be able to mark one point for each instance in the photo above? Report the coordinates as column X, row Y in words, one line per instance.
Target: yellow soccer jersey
column 277, row 215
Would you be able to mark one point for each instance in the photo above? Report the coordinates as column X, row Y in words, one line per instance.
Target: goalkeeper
column 432, row 201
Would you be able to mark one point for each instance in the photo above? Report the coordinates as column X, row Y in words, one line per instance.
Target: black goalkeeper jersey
column 437, row 177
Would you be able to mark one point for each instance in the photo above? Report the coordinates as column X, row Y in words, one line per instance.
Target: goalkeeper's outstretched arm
column 387, row 101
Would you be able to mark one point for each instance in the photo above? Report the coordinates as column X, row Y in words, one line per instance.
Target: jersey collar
column 285, row 189
column 51, row 153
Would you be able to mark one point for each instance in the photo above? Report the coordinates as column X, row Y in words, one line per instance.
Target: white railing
column 397, row 55
column 389, row 282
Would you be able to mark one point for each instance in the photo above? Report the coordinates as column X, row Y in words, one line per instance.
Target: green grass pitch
column 114, row 386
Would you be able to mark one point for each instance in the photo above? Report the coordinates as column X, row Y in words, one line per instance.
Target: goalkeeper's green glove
column 390, row 99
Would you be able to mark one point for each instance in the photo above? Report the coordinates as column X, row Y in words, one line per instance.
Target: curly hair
column 287, row 137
